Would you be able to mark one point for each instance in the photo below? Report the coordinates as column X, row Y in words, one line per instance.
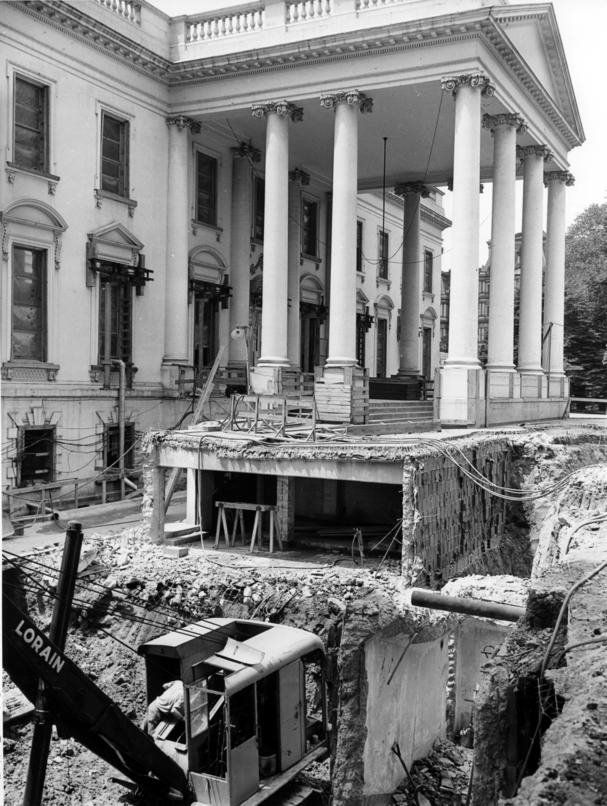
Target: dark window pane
column 30, row 146
column 114, row 155
column 359, row 246
column 29, row 304
column 428, row 266
column 309, row 218
column 37, row 456
column 115, row 321
column 383, row 254
column 258, row 211
column 206, row 203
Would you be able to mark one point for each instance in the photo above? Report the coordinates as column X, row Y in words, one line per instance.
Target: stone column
column 275, row 241
column 297, row 179
column 178, row 231
column 530, row 310
column 554, row 291
column 461, row 383
column 342, row 305
column 409, row 357
column 504, row 128
column 243, row 159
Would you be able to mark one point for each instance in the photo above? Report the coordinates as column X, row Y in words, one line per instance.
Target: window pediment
column 206, row 265
column 115, row 243
column 29, row 218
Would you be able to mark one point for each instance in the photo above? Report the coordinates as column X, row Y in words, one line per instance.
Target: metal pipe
column 41, row 739
column 121, row 416
column 472, row 607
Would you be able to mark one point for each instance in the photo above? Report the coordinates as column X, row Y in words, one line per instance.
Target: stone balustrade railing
column 307, row 10
column 364, row 5
column 126, row 9
column 238, row 21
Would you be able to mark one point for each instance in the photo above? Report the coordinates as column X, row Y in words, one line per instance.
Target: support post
column 43, row 725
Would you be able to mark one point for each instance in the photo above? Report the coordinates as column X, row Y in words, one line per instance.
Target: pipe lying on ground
column 471, row 607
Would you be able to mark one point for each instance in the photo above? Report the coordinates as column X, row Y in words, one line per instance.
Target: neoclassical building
column 273, row 169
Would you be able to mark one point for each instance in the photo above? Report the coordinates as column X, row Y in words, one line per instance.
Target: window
column 114, row 155
column 206, row 189
column 483, row 309
column 309, row 228
column 359, row 246
column 444, row 337
column 258, row 208
column 28, row 335
column 112, row 445
column 115, row 320
column 31, row 125
column 428, row 267
column 36, row 457
column 383, row 251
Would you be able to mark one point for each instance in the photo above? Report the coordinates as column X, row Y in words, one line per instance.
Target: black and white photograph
column 303, row 358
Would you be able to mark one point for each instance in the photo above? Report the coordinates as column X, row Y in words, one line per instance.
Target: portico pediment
column 533, row 33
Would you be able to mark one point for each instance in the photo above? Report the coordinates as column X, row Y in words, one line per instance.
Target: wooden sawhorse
column 239, row 508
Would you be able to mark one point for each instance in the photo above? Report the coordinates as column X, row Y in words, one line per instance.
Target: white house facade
column 169, row 182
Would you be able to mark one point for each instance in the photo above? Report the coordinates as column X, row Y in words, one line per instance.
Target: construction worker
column 167, row 707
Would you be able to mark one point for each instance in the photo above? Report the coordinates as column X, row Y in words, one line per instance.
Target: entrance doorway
column 310, row 343
column 382, row 347
column 205, row 331
column 427, row 353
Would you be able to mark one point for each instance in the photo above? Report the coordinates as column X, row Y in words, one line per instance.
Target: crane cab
column 254, row 705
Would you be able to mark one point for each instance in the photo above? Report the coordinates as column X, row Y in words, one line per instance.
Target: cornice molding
column 283, row 109
column 505, row 119
column 481, row 24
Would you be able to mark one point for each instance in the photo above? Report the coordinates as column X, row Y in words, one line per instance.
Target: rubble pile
column 442, row 778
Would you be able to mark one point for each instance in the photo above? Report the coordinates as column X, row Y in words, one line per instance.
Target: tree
column 586, row 301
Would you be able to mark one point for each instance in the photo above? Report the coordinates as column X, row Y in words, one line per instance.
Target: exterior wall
column 406, row 703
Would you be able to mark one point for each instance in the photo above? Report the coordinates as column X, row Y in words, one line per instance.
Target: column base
column 342, row 394
column 235, row 377
column 558, row 384
column 533, row 384
column 173, row 374
column 502, row 382
column 462, row 396
column 275, row 380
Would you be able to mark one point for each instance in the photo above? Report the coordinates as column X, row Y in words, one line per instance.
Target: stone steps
column 389, row 411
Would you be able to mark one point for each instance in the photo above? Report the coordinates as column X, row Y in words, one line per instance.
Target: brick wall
column 450, row 524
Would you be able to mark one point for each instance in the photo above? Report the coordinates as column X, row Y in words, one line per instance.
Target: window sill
column 97, row 376
column 13, row 170
column 428, row 296
column 100, row 195
column 196, row 225
column 31, row 371
column 312, row 258
column 361, row 276
column 384, row 281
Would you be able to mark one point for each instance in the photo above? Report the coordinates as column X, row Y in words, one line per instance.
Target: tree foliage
column 586, row 301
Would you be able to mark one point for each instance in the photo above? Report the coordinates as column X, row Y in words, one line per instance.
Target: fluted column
column 342, row 307
column 554, row 290
column 409, row 354
column 530, row 309
column 243, row 159
column 504, row 128
column 297, row 178
column 275, row 239
column 463, row 311
column 176, row 288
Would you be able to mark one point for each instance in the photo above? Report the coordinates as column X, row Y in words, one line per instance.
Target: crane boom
column 81, row 709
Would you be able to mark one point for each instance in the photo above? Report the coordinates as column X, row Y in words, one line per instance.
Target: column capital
column 559, row 176
column 351, row 97
column 282, row 108
column 536, row 150
column 504, row 119
column 412, row 187
column 297, row 175
column 247, row 150
column 183, row 122
column 477, row 80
